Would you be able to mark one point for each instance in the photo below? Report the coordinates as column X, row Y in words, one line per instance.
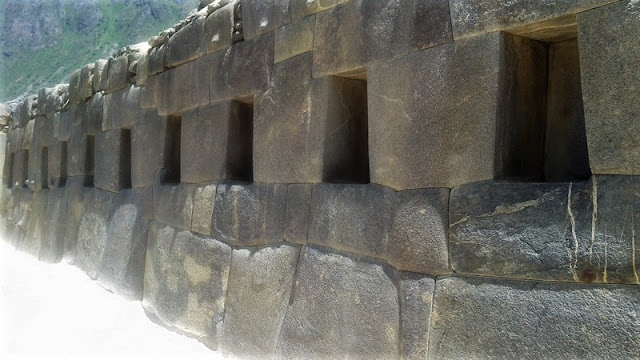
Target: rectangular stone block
column 52, row 100
column 249, row 215
column 534, row 320
column 295, row 38
column 356, row 33
column 121, row 108
column 579, row 232
column 298, row 212
column 261, row 16
column 608, row 51
column 156, row 59
column 416, row 298
column 185, row 87
column 100, row 70
column 185, row 282
column 147, row 148
column 118, row 76
column 302, row 8
column 186, row 44
column 142, row 70
column 85, row 89
column 203, row 201
column 218, row 29
column 435, row 126
column 57, row 166
column 470, row 17
column 81, row 153
column 243, row 70
column 173, row 204
column 336, row 300
column 113, row 171
column 74, row 87
column 150, row 93
column 216, row 143
column 253, row 314
column 431, row 24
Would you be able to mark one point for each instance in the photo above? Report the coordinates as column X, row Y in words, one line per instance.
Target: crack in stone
column 401, row 104
column 594, row 215
column 633, row 250
column 572, row 221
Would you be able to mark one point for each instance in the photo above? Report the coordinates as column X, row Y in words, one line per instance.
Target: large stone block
column 608, row 51
column 302, row 8
column 341, row 307
column 309, row 131
column 113, row 171
column 184, row 87
column 416, row 297
column 173, row 204
column 186, row 44
column 74, row 87
column 57, row 164
column 298, row 212
column 147, row 148
column 216, row 143
column 91, row 114
column 218, row 29
column 249, row 215
column 470, row 17
column 356, row 33
column 85, row 88
column 118, row 76
column 52, row 241
column 435, row 126
column 203, row 200
column 295, row 38
column 100, row 71
column 52, row 100
column 256, row 300
column 260, row 16
column 121, row 108
column 185, row 282
column 156, row 59
column 80, row 151
column 73, row 214
column 243, row 70
column 514, row 319
column 568, row 232
column 431, row 24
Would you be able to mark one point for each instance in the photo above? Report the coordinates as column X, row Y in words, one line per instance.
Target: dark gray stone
column 79, row 153
column 173, row 204
column 261, row 16
column 216, row 143
column 218, row 29
column 341, row 307
column 243, row 70
column 295, row 38
column 257, row 300
column 298, row 212
column 156, row 59
column 91, row 114
column 356, row 33
column 185, row 282
column 113, row 171
column 418, row 232
column 431, row 24
column 57, row 166
column 569, row 232
column 352, row 218
column 121, row 108
column 142, row 70
column 184, row 87
column 249, row 215
column 608, row 51
column 74, row 87
column 515, row 319
column 470, row 17
column 186, row 44
column 104, row 77
column 150, row 93
column 416, row 297
column 118, row 75
column 100, row 70
column 147, row 148
column 302, row 8
column 435, row 126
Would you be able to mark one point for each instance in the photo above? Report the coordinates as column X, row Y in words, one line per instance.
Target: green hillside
column 44, row 41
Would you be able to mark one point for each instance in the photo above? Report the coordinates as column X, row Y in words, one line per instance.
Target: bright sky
column 57, row 312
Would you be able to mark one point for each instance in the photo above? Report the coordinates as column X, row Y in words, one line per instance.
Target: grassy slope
column 121, row 24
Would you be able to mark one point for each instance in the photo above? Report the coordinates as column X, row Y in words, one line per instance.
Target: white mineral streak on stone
column 633, row 7
column 594, row 214
column 633, row 250
column 264, row 22
column 572, row 221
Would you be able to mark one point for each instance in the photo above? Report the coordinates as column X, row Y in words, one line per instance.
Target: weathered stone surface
column 418, row 231
column 31, row 243
column 85, row 85
column 62, row 123
column 351, row 218
column 91, row 114
column 52, row 241
column 150, row 93
column 113, row 171
column 608, row 50
column 142, row 70
column 218, row 29
column 431, row 24
column 216, row 143
column 121, row 266
column 121, row 108
column 147, row 148
column 436, row 126
column 156, row 59
column 513, row 319
column 298, row 212
column 74, row 87
column 471, row 17
column 295, row 38
column 256, row 300
column 81, row 152
column 186, row 44
column 340, row 307
column 416, row 297
column 249, row 215
column 243, row 70
column 569, row 232
column 100, row 70
column 566, row 156
column 57, row 166
column 185, row 282
column 25, row 111
column 184, row 87
column 309, row 131
column 261, row 16
column 203, row 201
column 51, row 100
column 302, row 8
column 354, row 34
column 173, row 204
column 73, row 214
column 118, row 75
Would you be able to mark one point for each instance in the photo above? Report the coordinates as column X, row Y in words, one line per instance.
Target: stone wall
column 365, row 179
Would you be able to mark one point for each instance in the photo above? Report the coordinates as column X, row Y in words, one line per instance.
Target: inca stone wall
column 353, row 179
